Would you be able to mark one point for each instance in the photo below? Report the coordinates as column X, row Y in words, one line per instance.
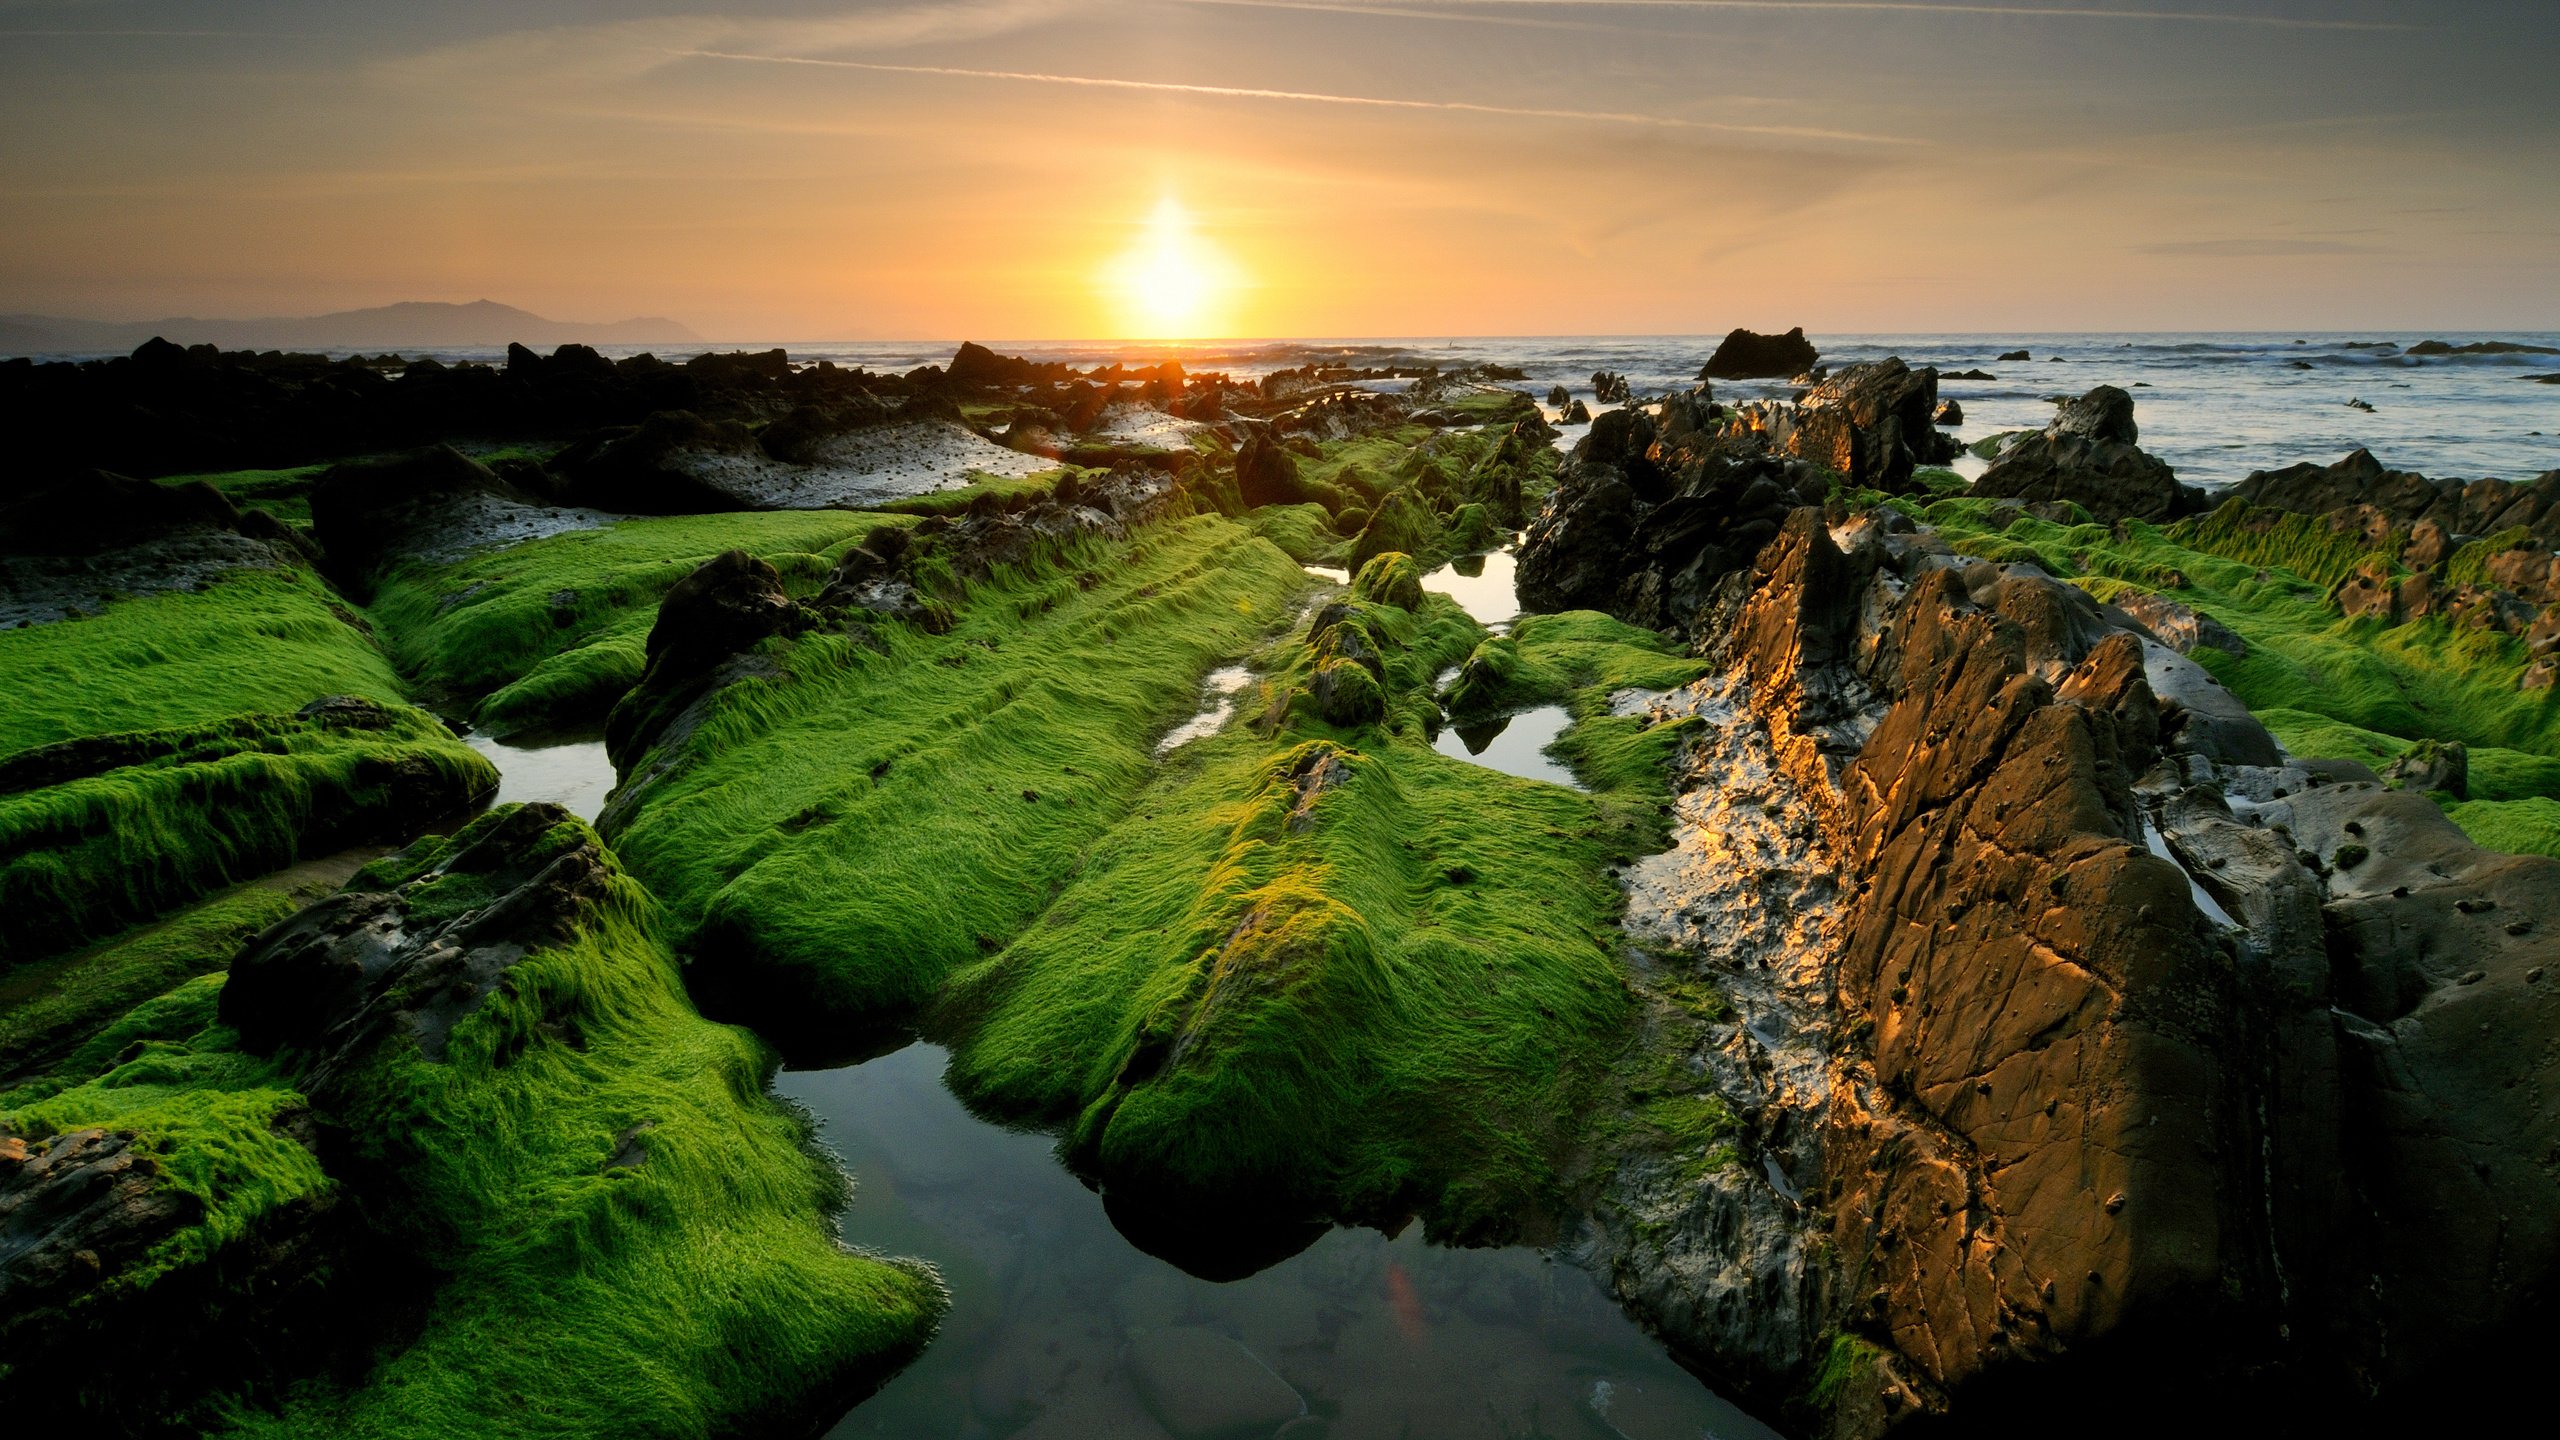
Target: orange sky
column 1423, row 167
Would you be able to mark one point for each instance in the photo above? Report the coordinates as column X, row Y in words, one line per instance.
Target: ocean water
column 2214, row 406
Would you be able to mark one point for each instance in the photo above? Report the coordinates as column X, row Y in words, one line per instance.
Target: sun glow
column 1171, row 284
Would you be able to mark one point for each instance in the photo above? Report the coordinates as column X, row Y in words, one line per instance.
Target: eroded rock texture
column 2131, row 1060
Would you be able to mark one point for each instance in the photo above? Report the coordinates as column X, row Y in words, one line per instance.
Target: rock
column 368, row 511
column 1267, row 474
column 2012, row 356
column 1203, row 1386
column 1968, row 375
column 2180, row 627
column 77, row 1207
column 2430, row 766
column 1872, row 423
column 2480, row 347
column 1559, row 397
column 1610, row 388
column 90, row 512
column 706, row 623
column 673, row 463
column 1949, row 413
column 1746, row 355
column 2088, row 456
column 976, row 366
column 1624, row 535
column 1577, row 413
column 2401, row 497
column 361, row 965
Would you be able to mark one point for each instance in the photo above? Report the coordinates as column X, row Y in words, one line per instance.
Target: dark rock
column 365, row 511
column 2180, row 627
column 2088, row 457
column 1610, row 388
column 1559, row 397
column 2402, row 498
column 673, row 463
column 1746, row 355
column 1949, row 413
column 2012, row 356
column 361, row 965
column 1577, row 413
column 1872, row 424
column 75, row 1208
column 2480, row 347
column 91, row 512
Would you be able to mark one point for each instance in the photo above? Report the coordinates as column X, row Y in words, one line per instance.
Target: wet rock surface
column 73, row 545
column 363, row 964
column 2107, row 1042
column 2088, row 457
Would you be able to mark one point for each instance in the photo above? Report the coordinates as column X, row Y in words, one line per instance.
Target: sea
column 2214, row 406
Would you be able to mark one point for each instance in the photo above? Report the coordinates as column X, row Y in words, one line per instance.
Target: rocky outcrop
column 434, row 503
column 2404, row 498
column 1644, row 531
column 2182, row 628
column 2089, row 458
column 363, row 965
column 1873, row 424
column 1747, row 355
column 2123, row 1048
column 706, row 624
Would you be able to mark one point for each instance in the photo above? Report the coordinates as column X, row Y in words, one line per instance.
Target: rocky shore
column 2054, row 948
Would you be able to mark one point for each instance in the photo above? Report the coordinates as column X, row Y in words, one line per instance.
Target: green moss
column 552, row 631
column 2469, row 564
column 696, row 1291
column 186, row 812
column 1002, row 490
column 838, row 837
column 2523, row 827
column 285, row 494
column 1401, row 523
column 1305, row 532
column 1845, row 1361
column 208, row 1115
column 256, row 641
column 45, row 1008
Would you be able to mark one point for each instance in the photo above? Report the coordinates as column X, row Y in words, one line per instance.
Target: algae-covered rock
column 2431, row 766
column 1391, row 578
column 1403, row 523
column 2088, row 456
column 1346, row 693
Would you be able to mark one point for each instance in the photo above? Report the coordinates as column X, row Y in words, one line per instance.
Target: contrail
column 1238, row 92
column 1920, row 7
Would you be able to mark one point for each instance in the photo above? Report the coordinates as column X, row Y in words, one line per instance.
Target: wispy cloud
column 1921, row 7
column 1308, row 97
column 2237, row 249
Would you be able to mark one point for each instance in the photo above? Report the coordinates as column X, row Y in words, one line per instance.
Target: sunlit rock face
column 2098, row 1038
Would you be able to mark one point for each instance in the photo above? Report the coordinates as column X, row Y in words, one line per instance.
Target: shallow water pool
column 1060, row 1327
column 569, row 769
column 1513, row 744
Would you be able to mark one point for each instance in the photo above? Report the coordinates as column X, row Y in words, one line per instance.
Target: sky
column 1035, row 169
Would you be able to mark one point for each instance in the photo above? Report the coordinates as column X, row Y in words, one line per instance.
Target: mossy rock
column 1392, row 578
column 1345, row 693
column 1401, row 522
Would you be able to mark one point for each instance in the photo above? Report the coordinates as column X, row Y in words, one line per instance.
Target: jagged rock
column 709, row 619
column 368, row 511
column 2477, row 507
column 977, row 366
column 2480, row 347
column 360, row 965
column 89, row 512
column 2012, row 356
column 1267, row 474
column 1558, row 396
column 1622, row 534
column 1610, row 388
column 1871, row 423
column 2430, row 766
column 1746, row 355
column 76, row 1207
column 2180, row 627
column 2088, row 456
column 1949, row 412
column 1577, row 413
column 2081, row 1116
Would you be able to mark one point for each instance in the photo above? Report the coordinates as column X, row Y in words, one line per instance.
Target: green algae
column 285, row 494
column 834, row 839
column 181, row 813
column 552, row 631
column 2529, row 826
column 1001, row 490
column 632, row 1236
column 252, row 642
column 47, row 1007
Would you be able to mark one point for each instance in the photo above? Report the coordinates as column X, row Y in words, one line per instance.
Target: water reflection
column 1512, row 744
column 567, row 768
column 1060, row 1328
column 1485, row 586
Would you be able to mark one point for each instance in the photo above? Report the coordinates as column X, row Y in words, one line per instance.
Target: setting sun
column 1170, row 284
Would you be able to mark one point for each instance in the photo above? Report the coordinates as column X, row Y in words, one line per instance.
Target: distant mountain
column 409, row 325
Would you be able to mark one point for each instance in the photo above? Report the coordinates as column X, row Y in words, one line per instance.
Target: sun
column 1171, row 284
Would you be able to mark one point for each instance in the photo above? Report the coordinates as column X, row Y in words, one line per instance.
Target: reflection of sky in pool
column 1060, row 1328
